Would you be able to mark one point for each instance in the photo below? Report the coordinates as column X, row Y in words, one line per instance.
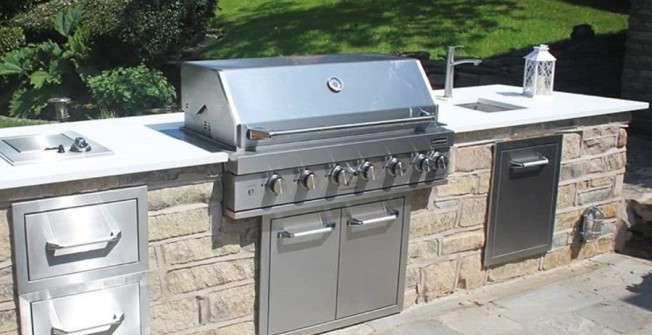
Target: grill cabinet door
column 523, row 198
column 303, row 270
column 370, row 253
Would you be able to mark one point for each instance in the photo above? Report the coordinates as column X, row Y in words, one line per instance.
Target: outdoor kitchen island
column 203, row 266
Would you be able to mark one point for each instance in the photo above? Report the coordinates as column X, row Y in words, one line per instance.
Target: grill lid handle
column 264, row 134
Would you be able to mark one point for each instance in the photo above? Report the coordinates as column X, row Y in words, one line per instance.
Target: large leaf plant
column 49, row 69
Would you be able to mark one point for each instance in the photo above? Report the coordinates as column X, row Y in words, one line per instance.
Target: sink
column 28, row 149
column 489, row 106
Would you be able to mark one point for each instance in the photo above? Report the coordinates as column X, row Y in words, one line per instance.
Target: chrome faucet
column 450, row 69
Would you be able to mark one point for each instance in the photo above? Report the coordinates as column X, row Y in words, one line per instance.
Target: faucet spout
column 450, row 69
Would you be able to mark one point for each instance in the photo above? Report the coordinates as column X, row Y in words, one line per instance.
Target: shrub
column 37, row 21
column 11, row 38
column 128, row 91
column 49, row 69
column 10, row 7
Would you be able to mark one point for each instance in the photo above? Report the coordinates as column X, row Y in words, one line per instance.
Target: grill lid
column 244, row 103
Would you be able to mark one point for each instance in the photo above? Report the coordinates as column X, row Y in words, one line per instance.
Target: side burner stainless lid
column 244, row 103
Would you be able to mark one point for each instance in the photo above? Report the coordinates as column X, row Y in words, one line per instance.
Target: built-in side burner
column 37, row 148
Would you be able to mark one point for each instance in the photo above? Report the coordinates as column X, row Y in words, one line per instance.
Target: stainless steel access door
column 370, row 253
column 303, row 270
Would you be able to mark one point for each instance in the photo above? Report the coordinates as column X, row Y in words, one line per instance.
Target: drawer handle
column 355, row 222
column 286, row 234
column 117, row 320
column 539, row 162
column 55, row 245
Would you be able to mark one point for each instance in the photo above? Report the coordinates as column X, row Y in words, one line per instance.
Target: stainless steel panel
column 83, row 238
column 47, row 256
column 523, row 198
column 109, row 311
column 370, row 255
column 35, row 148
column 296, row 92
column 302, row 271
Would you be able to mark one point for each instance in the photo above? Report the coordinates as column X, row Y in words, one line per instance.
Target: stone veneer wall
column 203, row 268
column 637, row 71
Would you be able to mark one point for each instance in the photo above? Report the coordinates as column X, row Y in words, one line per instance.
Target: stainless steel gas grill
column 325, row 149
column 305, row 129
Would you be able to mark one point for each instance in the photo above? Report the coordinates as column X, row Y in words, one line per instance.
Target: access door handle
column 117, row 320
column 115, row 235
column 287, row 234
column 356, row 222
column 526, row 164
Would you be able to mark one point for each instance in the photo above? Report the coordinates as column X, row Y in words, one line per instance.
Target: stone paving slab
column 610, row 294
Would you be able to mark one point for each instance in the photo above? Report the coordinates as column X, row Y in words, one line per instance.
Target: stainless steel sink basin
column 28, row 149
column 489, row 106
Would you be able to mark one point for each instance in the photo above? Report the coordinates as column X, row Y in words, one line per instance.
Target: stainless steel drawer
column 80, row 239
column 113, row 311
column 74, row 239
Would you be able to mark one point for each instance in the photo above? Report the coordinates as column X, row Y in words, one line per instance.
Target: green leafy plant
column 11, row 38
column 48, row 69
column 129, row 91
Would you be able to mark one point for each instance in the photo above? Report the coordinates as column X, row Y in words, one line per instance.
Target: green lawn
column 6, row 122
column 255, row 28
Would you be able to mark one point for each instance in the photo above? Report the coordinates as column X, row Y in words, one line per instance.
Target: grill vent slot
column 207, row 126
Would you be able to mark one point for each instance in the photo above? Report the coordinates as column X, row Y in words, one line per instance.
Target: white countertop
column 558, row 106
column 141, row 144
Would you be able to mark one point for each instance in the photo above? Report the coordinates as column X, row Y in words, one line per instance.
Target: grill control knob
column 275, row 184
column 366, row 171
column 395, row 167
column 341, row 176
column 423, row 163
column 307, row 180
column 440, row 161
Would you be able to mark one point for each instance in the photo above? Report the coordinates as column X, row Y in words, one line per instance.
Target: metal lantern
column 539, row 74
column 592, row 223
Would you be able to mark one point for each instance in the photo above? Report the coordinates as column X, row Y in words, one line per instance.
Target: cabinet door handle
column 539, row 162
column 286, row 234
column 356, row 222
column 55, row 245
column 117, row 320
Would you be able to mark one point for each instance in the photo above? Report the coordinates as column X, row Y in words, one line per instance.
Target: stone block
column 567, row 220
column 557, row 257
column 439, row 279
column 571, row 146
column 210, row 275
column 81, row 186
column 566, row 196
column 610, row 210
column 457, row 185
column 471, row 275
column 599, row 145
column 474, row 211
column 594, row 195
column 232, row 303
column 560, row 240
column 447, row 205
column 184, row 175
column 573, row 170
column 5, row 245
column 8, row 321
column 174, row 316
column 602, row 181
column 195, row 249
column 154, row 277
column 484, row 182
column 514, row 269
column 174, row 196
column 420, row 199
column 595, row 165
column 6, row 292
column 181, row 223
column 424, row 223
column 584, row 250
column 615, row 161
column 605, row 244
column 619, row 184
column 423, row 250
column 622, row 138
column 244, row 328
column 410, row 298
column 463, row 242
column 468, row 159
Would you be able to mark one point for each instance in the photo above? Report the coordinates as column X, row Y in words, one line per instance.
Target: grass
column 254, row 28
column 6, row 122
